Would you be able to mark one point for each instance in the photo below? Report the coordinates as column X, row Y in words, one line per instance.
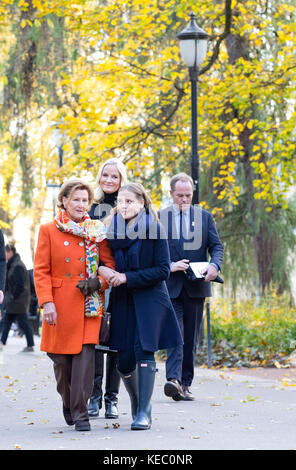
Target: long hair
column 141, row 194
column 98, row 192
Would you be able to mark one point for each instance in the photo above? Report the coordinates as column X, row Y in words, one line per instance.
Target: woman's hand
column 50, row 313
column 106, row 273
column 117, row 279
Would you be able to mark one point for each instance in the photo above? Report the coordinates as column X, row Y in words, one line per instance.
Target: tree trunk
column 265, row 240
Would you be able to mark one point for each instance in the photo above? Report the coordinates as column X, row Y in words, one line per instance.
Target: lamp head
column 193, row 43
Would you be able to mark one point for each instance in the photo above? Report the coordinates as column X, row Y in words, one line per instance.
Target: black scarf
column 126, row 240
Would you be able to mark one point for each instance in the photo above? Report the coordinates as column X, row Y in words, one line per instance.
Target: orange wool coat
column 58, row 265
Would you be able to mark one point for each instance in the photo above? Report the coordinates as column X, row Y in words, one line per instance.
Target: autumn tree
column 110, row 74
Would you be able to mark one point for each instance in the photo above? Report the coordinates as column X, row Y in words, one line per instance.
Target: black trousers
column 23, row 323
column 181, row 359
column 112, row 377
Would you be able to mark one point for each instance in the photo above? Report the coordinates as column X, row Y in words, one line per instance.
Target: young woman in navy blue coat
column 143, row 318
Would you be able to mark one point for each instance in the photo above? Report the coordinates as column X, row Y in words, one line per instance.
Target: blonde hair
column 98, row 192
column 70, row 186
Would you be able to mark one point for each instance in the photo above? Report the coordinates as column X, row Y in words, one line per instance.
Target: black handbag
column 104, row 335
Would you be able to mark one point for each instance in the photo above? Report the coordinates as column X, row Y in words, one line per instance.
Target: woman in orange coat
column 66, row 269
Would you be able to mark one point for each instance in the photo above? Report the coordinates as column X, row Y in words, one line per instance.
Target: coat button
column 81, row 244
column 68, row 274
column 82, row 259
column 67, row 260
column 66, row 243
column 82, row 275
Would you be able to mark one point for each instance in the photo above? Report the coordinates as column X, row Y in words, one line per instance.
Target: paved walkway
column 233, row 410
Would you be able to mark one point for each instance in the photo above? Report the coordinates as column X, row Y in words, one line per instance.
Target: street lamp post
column 58, row 140
column 193, row 47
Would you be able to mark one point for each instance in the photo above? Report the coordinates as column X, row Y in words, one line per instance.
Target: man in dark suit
column 192, row 235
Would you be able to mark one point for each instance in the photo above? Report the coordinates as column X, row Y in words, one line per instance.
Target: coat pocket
column 55, row 282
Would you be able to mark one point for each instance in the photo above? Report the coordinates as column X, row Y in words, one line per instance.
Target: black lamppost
column 193, row 47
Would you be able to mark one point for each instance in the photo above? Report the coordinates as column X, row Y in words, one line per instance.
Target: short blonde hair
column 70, row 186
column 98, row 193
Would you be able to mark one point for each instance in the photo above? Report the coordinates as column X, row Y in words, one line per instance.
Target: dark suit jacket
column 204, row 241
column 2, row 262
column 156, row 319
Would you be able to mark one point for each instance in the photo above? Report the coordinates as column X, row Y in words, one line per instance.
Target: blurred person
column 110, row 177
column 34, row 311
column 143, row 318
column 17, row 297
column 2, row 279
column 71, row 294
column 2, row 267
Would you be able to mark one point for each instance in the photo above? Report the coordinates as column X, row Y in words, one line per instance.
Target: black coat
column 2, row 262
column 17, row 289
column 207, row 242
column 156, row 319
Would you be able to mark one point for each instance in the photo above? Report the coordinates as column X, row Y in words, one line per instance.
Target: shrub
column 250, row 333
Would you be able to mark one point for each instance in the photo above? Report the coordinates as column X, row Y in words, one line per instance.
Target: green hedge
column 250, row 333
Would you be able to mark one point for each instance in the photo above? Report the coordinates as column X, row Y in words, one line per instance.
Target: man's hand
column 210, row 273
column 1, row 296
column 50, row 313
column 181, row 265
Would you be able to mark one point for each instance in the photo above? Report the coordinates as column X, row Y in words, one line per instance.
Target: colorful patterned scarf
column 92, row 231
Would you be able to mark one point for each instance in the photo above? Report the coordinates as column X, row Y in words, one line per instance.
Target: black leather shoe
column 67, row 416
column 82, row 426
column 174, row 390
column 111, row 411
column 188, row 396
column 93, row 407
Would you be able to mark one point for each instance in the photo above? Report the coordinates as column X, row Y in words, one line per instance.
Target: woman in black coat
column 110, row 177
column 143, row 318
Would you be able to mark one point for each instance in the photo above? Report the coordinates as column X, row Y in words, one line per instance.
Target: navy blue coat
column 206, row 242
column 156, row 319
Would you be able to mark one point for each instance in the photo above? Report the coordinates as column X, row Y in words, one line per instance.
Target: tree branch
column 227, row 29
